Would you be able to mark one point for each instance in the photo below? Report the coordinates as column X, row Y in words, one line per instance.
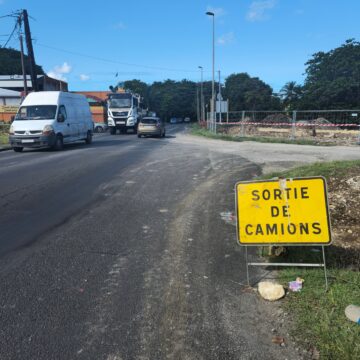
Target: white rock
column 271, row 291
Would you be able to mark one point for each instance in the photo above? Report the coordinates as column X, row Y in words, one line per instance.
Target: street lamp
column 212, row 109
column 201, row 95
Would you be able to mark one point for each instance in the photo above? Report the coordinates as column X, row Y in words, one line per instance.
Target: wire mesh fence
column 324, row 126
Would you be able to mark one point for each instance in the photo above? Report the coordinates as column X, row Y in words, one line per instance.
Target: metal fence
column 324, row 126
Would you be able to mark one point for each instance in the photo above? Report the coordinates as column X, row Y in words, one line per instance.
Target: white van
column 51, row 119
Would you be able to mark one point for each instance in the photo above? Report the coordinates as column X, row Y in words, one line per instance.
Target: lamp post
column 202, row 117
column 212, row 109
column 220, row 98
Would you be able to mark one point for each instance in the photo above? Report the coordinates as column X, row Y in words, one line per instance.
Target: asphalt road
column 120, row 250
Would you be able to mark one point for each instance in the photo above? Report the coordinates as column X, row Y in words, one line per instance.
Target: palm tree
column 290, row 94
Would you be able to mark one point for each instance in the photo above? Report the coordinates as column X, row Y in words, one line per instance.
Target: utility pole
column 212, row 107
column 202, row 109
column 30, row 51
column 197, row 104
column 220, row 99
column 23, row 63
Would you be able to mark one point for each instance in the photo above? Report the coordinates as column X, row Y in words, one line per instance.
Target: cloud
column 225, row 39
column 59, row 71
column 217, row 11
column 119, row 26
column 257, row 10
column 84, row 77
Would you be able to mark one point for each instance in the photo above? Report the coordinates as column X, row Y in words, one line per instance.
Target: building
column 12, row 92
column 97, row 102
column 45, row 83
column 9, row 103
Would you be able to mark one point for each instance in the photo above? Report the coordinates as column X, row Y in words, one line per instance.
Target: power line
column 115, row 61
column 11, row 35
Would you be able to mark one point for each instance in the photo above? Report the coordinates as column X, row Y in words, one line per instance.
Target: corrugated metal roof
column 16, row 77
column 9, row 93
column 14, row 83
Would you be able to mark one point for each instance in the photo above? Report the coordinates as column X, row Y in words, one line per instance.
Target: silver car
column 151, row 126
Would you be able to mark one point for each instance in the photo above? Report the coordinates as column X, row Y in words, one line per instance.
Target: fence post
column 242, row 123
column 293, row 128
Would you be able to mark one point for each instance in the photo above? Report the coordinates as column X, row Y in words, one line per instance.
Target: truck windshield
column 36, row 112
column 120, row 103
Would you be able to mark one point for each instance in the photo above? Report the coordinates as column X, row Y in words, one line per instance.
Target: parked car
column 51, row 119
column 173, row 120
column 151, row 126
column 187, row 120
column 100, row 127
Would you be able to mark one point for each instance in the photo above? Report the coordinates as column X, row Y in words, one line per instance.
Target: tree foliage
column 291, row 94
column 138, row 87
column 332, row 79
column 10, row 63
column 249, row 93
column 173, row 98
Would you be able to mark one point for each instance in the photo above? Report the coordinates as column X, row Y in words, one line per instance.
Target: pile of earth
column 344, row 207
column 277, row 118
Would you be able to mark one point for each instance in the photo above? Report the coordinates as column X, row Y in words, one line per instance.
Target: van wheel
column 88, row 139
column 59, row 143
column 18, row 149
column 139, row 136
column 113, row 130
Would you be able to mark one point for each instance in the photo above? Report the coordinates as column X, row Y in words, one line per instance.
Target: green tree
column 10, row 63
column 173, row 98
column 290, row 95
column 249, row 93
column 333, row 78
column 138, row 87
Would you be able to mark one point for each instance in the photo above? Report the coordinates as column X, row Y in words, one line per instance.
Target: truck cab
column 124, row 112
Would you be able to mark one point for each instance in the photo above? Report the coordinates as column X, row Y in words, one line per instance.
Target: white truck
column 124, row 112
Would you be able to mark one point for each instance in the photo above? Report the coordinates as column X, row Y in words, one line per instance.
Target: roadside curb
column 4, row 148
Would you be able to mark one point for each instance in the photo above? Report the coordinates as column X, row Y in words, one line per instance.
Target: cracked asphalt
column 119, row 250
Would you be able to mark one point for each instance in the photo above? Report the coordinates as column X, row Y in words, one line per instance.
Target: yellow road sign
column 284, row 211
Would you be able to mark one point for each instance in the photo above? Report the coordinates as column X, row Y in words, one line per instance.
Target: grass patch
column 4, row 134
column 326, row 169
column 4, row 139
column 198, row 131
column 319, row 317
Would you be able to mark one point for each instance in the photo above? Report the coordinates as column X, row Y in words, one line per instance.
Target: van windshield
column 36, row 112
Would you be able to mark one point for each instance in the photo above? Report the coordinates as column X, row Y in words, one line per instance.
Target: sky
column 96, row 44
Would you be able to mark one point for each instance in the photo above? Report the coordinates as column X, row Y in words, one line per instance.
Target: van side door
column 62, row 123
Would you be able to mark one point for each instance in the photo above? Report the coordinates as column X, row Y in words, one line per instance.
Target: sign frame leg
column 267, row 264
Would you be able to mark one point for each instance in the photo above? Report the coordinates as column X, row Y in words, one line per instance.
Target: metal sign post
column 323, row 265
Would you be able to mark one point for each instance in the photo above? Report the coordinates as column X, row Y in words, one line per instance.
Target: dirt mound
column 277, row 118
column 344, row 205
column 322, row 121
